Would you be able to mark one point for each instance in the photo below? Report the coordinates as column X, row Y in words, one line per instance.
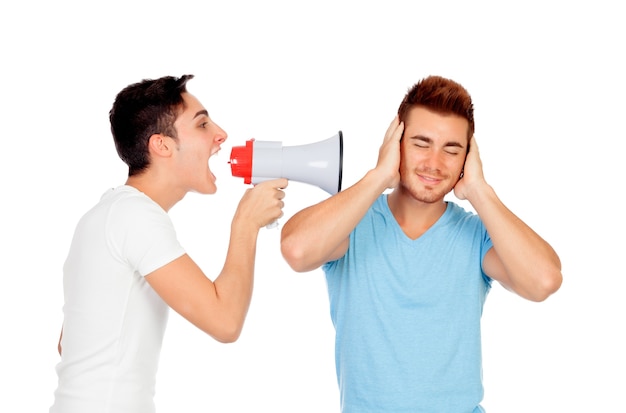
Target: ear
column 160, row 145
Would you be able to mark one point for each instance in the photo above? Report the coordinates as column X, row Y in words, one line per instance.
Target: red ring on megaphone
column 241, row 161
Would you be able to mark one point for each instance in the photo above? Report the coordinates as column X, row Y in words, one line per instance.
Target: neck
column 414, row 217
column 156, row 189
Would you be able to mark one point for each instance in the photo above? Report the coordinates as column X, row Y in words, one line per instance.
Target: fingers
column 278, row 186
column 388, row 164
column 394, row 132
column 473, row 154
column 274, row 185
column 472, row 173
column 263, row 203
column 395, row 129
column 473, row 145
column 392, row 126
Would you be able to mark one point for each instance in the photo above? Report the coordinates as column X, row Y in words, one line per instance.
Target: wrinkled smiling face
column 199, row 138
column 433, row 151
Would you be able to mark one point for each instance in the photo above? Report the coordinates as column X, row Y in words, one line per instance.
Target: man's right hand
column 388, row 165
column 263, row 204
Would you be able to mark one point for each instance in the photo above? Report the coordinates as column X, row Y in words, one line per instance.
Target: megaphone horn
column 318, row 163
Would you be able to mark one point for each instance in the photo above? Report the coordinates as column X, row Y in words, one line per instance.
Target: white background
column 547, row 79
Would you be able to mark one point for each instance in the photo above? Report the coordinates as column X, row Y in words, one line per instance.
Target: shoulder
column 379, row 206
column 129, row 202
column 457, row 212
column 126, row 211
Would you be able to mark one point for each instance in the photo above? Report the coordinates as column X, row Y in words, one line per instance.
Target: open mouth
column 214, row 155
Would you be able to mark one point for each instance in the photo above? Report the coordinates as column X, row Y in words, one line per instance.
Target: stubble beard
column 425, row 193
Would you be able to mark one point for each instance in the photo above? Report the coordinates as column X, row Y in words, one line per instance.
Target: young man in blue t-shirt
column 408, row 272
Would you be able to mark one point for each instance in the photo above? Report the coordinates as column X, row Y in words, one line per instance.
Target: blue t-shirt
column 407, row 314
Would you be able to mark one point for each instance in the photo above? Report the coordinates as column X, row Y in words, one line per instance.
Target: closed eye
column 450, row 147
column 454, row 148
column 420, row 141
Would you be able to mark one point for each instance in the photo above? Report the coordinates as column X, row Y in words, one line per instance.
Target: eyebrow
column 201, row 112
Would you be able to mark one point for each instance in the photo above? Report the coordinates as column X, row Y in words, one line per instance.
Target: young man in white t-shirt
column 126, row 268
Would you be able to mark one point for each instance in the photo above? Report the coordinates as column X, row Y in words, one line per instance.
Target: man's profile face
column 199, row 138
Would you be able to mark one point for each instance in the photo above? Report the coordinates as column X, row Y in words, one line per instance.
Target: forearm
column 234, row 285
column 313, row 235
column 320, row 233
column 530, row 265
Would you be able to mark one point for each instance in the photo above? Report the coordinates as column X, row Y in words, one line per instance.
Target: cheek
column 452, row 164
column 457, row 169
column 459, row 163
column 409, row 156
column 406, row 161
column 192, row 155
column 413, row 160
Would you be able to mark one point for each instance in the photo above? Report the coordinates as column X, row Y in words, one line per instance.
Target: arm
column 520, row 259
column 320, row 233
column 219, row 308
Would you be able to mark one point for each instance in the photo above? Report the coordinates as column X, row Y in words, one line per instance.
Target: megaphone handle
column 273, row 224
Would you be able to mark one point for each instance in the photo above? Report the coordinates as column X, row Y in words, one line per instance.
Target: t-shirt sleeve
column 143, row 235
column 487, row 244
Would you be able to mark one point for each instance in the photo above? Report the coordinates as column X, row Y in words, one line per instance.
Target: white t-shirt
column 113, row 320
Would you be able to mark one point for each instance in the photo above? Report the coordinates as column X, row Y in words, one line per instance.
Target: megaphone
column 318, row 164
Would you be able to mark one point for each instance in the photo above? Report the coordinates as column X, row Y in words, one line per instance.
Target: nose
column 220, row 135
column 434, row 160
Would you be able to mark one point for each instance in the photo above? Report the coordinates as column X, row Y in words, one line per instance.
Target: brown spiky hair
column 441, row 95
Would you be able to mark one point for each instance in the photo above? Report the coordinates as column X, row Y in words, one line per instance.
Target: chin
column 208, row 190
